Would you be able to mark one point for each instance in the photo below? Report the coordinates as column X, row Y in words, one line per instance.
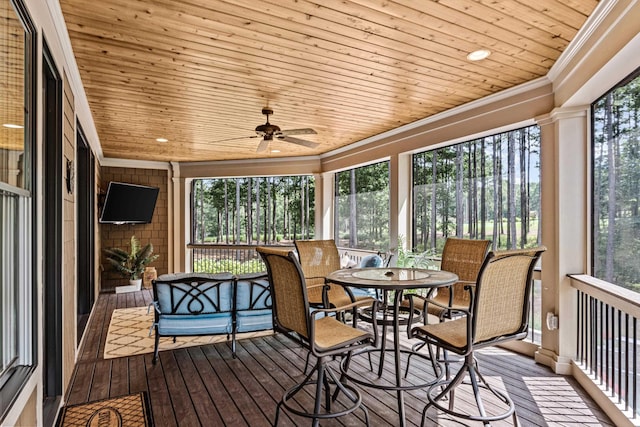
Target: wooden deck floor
column 205, row 386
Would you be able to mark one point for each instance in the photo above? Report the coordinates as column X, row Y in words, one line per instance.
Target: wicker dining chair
column 498, row 312
column 319, row 332
column 318, row 258
column 462, row 257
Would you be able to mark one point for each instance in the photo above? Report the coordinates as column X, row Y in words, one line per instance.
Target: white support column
column 325, row 184
column 14, row 167
column 400, row 199
column 178, row 214
column 565, row 207
column 394, row 208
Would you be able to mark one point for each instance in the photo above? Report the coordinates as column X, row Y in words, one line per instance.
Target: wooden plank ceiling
column 198, row 72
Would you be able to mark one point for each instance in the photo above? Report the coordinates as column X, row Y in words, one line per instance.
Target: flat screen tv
column 129, row 204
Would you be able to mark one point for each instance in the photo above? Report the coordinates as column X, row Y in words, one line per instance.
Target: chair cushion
column 331, row 333
column 195, row 325
column 363, row 292
column 453, row 332
column 254, row 320
column 252, row 292
column 371, row 261
column 183, row 275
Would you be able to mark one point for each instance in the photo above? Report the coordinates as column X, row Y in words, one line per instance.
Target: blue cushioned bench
column 252, row 305
column 188, row 304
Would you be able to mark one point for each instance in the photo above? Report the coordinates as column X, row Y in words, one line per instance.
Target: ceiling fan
column 268, row 131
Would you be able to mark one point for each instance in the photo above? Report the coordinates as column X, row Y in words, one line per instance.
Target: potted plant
column 131, row 264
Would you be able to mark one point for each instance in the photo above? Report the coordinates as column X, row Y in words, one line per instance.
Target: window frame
column 460, row 142
column 336, row 196
column 310, row 203
column 15, row 378
column 592, row 184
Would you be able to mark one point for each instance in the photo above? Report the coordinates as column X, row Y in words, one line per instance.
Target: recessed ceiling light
column 275, row 151
column 162, row 140
column 478, row 55
column 12, row 126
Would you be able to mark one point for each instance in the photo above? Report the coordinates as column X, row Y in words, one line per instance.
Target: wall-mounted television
column 129, row 204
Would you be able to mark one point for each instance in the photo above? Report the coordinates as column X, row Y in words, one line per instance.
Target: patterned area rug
column 128, row 335
column 131, row 411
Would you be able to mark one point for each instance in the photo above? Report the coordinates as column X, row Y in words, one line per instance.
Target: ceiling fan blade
column 235, row 139
column 299, row 141
column 305, row 131
column 262, row 146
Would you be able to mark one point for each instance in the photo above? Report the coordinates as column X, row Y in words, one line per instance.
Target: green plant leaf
column 131, row 264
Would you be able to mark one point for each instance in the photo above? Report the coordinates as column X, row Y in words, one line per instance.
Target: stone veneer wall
column 157, row 232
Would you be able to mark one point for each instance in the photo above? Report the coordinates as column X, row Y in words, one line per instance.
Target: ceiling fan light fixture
column 479, row 55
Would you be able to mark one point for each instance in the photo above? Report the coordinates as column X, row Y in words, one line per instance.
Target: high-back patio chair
column 317, row 331
column 498, row 312
column 318, row 258
column 463, row 257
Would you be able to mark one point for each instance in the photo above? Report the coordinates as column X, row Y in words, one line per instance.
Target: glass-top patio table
column 395, row 281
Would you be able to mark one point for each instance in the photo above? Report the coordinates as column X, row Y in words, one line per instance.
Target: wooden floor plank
column 276, row 379
column 80, row 387
column 101, row 380
column 231, row 384
column 206, row 386
column 119, row 377
column 183, row 408
column 223, row 401
column 137, row 374
column 161, row 405
column 112, row 300
column 263, row 401
column 196, row 389
column 93, row 330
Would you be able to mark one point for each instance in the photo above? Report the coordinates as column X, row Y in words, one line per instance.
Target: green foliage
column 130, row 264
column 428, row 259
column 225, row 265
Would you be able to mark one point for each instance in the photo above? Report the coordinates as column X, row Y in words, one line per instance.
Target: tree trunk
column 434, row 200
column 274, row 203
column 199, row 232
column 611, row 208
column 258, row 208
column 459, row 190
column 249, row 213
column 353, row 227
column 226, row 212
column 483, row 191
column 511, row 191
column 236, row 238
column 473, row 196
column 524, row 185
column 497, row 188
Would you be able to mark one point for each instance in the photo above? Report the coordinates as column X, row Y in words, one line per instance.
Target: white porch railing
column 607, row 348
